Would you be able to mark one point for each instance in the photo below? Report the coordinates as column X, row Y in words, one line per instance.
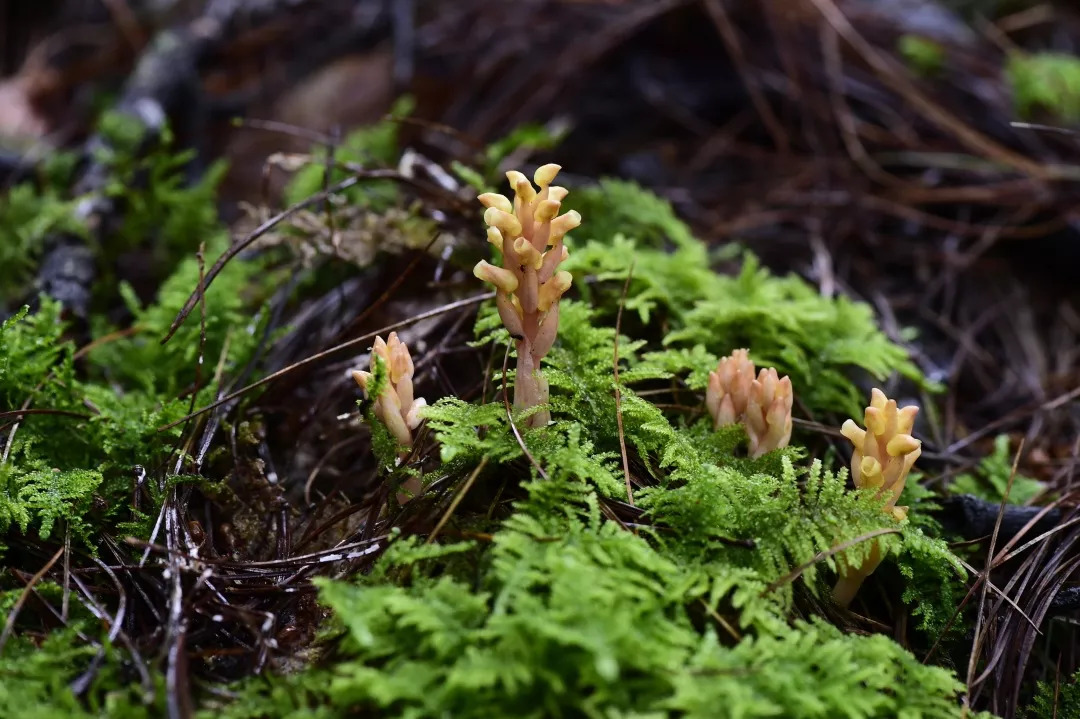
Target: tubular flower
column 529, row 233
column 395, row 406
column 762, row 405
column 884, row 453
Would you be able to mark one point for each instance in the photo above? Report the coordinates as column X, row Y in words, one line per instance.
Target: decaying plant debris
column 199, row 503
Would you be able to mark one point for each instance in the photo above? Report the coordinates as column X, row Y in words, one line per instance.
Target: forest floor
column 210, row 211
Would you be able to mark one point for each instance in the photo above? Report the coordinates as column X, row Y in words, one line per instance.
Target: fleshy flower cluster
column 395, row 406
column 884, row 453
column 762, row 405
column 529, row 233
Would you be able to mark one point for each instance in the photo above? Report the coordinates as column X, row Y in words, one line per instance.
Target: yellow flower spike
column 883, row 455
column 503, row 279
column 545, row 175
column 529, row 282
column 499, row 202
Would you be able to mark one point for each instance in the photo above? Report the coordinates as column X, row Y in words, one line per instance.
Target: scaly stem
column 530, row 388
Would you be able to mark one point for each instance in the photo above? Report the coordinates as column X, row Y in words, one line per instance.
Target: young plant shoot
column 529, row 233
column 884, row 453
column 395, row 406
column 762, row 405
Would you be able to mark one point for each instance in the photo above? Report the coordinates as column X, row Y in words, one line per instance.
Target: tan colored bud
column 499, row 202
column 763, row 405
column 553, row 289
column 395, row 406
column 563, row 224
column 768, row 412
column 516, row 178
column 401, row 364
column 524, row 192
column 503, row 279
column 507, row 223
column 363, row 379
column 545, row 175
column 529, row 255
column 546, row 211
column 557, row 193
column 730, row 380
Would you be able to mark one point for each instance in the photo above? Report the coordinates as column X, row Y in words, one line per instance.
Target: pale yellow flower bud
column 563, row 224
column 505, row 280
column 545, row 175
column 553, row 289
column 507, row 223
column 557, row 193
column 499, row 202
column 529, row 255
column 546, row 211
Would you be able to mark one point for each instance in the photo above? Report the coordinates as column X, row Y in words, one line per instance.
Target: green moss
column 368, row 147
column 990, row 479
column 1045, row 83
column 37, row 675
column 29, row 214
column 924, row 56
column 1056, row 700
column 557, row 609
column 565, row 612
